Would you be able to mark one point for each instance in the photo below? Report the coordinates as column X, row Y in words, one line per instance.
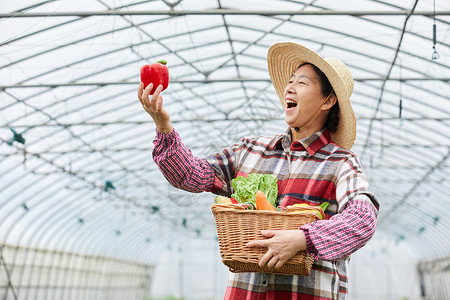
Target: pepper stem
column 162, row 61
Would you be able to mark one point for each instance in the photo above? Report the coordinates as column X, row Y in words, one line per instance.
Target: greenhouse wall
column 435, row 278
column 42, row 274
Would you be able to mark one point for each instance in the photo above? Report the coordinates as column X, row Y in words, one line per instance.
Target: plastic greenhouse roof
column 76, row 171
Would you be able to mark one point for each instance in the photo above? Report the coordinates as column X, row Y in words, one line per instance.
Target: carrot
column 262, row 203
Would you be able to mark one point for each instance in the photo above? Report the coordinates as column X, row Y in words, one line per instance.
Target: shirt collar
column 312, row 144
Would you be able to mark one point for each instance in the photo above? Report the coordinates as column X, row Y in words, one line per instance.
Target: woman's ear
column 329, row 102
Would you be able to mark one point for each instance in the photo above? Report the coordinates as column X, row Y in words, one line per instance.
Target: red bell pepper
column 234, row 201
column 157, row 73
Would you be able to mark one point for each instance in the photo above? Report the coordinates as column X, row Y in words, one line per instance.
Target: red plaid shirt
column 313, row 170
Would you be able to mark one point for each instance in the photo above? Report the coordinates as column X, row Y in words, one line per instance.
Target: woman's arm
column 354, row 225
column 174, row 159
column 343, row 233
column 179, row 166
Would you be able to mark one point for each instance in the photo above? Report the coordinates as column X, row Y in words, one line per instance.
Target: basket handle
column 230, row 206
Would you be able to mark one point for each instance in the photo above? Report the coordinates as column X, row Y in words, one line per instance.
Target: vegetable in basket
column 262, row 203
column 324, row 207
column 224, row 200
column 245, row 188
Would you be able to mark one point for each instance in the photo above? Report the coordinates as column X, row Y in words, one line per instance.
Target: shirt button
column 297, row 146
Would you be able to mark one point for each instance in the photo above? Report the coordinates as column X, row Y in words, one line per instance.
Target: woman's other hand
column 153, row 105
column 281, row 246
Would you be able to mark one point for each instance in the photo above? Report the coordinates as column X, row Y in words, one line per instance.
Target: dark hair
column 333, row 115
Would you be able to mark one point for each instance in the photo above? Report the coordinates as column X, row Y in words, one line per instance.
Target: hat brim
column 284, row 59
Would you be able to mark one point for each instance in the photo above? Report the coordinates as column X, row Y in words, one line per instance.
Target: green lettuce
column 245, row 188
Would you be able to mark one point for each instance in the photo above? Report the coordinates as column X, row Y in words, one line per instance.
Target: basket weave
column 237, row 226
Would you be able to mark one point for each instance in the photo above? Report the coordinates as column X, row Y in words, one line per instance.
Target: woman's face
column 303, row 98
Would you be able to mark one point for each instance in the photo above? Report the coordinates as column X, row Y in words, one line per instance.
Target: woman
column 313, row 164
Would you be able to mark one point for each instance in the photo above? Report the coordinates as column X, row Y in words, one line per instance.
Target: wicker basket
column 236, row 226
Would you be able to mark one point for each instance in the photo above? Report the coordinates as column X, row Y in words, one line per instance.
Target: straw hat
column 285, row 58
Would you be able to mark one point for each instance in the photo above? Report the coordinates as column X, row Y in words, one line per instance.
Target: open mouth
column 290, row 104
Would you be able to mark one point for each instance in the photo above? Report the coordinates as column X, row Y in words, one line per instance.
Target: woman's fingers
column 279, row 263
column 151, row 103
column 265, row 259
column 157, row 99
column 140, row 91
column 270, row 260
column 145, row 95
column 159, row 104
column 258, row 243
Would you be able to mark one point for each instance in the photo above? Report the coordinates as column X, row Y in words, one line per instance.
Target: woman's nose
column 289, row 89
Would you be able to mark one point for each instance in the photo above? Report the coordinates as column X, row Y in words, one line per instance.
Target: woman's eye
column 293, row 81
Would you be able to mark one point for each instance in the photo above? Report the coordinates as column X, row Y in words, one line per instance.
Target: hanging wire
column 380, row 98
column 400, row 104
column 381, row 139
column 435, row 54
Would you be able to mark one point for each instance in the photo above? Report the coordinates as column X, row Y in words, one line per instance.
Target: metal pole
column 400, row 12
column 205, row 81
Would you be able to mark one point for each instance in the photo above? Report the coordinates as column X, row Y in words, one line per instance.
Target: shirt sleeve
column 179, row 166
column 354, row 224
column 225, row 168
column 342, row 234
column 352, row 184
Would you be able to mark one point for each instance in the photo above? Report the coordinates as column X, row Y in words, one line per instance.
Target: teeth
column 290, row 102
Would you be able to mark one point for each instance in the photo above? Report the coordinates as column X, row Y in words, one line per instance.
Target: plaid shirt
column 313, row 170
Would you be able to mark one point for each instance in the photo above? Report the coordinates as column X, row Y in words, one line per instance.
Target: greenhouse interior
column 85, row 212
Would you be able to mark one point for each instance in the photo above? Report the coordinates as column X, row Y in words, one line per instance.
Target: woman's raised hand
column 154, row 107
